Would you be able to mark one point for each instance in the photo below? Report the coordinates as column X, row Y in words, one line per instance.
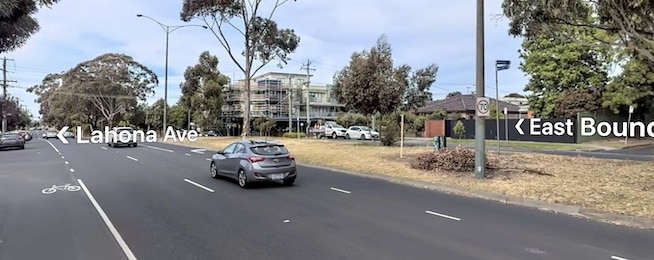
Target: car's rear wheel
column 214, row 170
column 242, row 179
column 347, row 136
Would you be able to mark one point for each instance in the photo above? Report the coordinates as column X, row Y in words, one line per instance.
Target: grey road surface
column 634, row 154
column 164, row 205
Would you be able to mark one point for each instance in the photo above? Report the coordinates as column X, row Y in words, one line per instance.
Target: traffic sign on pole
column 483, row 107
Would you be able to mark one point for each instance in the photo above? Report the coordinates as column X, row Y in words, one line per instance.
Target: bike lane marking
column 107, row 221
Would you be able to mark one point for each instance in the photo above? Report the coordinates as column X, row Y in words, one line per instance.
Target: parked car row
column 334, row 131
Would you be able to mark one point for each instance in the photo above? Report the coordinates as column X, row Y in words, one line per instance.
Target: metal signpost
column 631, row 111
column 506, row 124
column 499, row 66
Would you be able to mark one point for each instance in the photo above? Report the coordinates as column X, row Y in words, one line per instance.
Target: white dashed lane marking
column 442, row 215
column 339, row 190
column 198, row 185
column 132, row 158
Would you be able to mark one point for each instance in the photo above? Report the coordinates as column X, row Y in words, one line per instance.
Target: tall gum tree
column 202, row 90
column 263, row 41
column 113, row 83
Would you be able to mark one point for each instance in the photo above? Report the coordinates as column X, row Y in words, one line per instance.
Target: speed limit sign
column 483, row 106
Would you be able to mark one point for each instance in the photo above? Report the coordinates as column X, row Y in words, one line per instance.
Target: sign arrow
column 518, row 126
column 200, row 151
column 60, row 135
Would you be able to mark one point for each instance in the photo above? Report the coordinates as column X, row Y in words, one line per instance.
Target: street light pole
column 168, row 29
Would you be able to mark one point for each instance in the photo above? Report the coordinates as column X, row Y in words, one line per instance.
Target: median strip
column 198, row 185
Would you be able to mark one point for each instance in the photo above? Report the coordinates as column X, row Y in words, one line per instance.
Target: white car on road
column 361, row 133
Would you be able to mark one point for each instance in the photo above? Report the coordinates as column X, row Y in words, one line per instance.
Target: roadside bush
column 451, row 159
column 294, row 135
column 390, row 134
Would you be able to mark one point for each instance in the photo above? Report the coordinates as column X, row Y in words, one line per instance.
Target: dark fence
column 541, row 134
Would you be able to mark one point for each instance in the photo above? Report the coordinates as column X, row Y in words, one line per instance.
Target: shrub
column 390, row 134
column 459, row 129
column 294, row 135
column 451, row 159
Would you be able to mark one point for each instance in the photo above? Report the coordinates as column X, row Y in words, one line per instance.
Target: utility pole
column 480, row 122
column 4, row 93
column 307, row 67
column 290, row 104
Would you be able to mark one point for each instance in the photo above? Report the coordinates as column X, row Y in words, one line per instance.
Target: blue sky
column 421, row 33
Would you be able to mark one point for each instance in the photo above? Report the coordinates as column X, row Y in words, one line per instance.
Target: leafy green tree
column 154, row 114
column 202, row 91
column 17, row 22
column 351, row 119
column 417, row 92
column 630, row 22
column 634, row 86
column 263, row 40
column 113, row 83
column 559, row 68
column 370, row 84
column 453, row 94
column 178, row 115
column 459, row 129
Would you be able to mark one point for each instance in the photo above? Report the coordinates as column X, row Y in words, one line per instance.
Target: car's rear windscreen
column 269, row 150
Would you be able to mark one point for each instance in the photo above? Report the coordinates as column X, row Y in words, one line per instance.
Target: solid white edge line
column 339, row 190
column 110, row 226
column 442, row 215
column 132, row 158
column 53, row 147
column 618, row 258
column 198, row 185
column 159, row 148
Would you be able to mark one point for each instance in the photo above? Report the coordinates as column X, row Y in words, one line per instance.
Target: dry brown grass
column 616, row 186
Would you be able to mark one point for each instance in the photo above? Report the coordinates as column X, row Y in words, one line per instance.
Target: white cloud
column 421, row 32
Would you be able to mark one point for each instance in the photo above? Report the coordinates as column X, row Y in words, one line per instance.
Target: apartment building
column 282, row 96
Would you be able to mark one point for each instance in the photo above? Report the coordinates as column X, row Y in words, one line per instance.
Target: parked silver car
column 249, row 161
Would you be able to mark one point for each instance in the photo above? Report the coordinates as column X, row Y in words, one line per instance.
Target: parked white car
column 361, row 133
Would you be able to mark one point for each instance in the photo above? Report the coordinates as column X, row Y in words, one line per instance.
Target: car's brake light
column 254, row 159
column 291, row 157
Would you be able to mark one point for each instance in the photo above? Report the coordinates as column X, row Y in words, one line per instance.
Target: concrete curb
column 576, row 211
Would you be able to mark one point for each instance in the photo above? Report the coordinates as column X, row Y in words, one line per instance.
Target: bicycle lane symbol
column 55, row 188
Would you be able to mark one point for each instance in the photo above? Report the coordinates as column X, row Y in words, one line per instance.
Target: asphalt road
column 149, row 198
column 645, row 153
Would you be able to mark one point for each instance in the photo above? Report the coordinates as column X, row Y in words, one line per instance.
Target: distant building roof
column 462, row 103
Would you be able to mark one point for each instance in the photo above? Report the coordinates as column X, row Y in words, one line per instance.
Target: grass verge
column 615, row 186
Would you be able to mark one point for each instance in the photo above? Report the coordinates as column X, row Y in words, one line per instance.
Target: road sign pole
column 480, row 124
column 631, row 111
column 506, row 124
